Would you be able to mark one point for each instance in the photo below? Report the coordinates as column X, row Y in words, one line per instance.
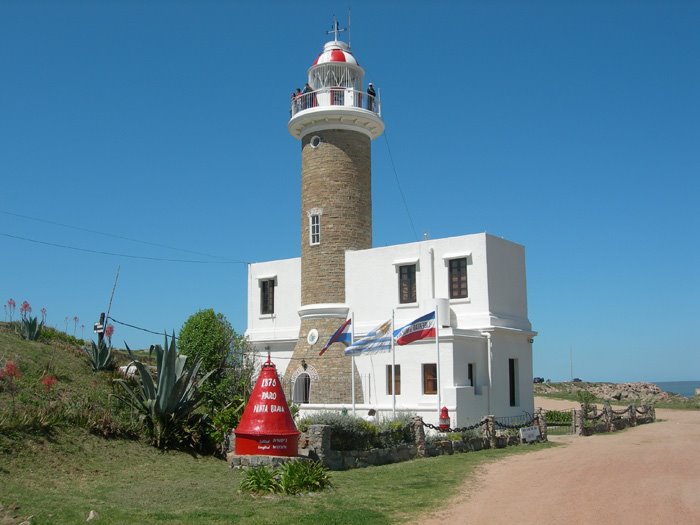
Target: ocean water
column 684, row 388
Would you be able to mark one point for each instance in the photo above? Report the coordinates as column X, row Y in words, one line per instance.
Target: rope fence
column 586, row 421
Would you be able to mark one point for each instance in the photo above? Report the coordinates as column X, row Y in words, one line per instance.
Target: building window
column 458, row 278
column 407, row 283
column 314, row 229
column 513, row 381
column 267, row 296
column 429, row 378
column 397, row 380
column 470, row 374
column 302, row 388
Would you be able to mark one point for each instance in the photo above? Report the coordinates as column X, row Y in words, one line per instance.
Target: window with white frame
column 267, row 296
column 430, row 385
column 513, row 387
column 407, row 283
column 458, row 278
column 314, row 229
column 394, row 378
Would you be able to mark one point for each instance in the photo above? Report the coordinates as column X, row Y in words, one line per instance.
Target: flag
column 341, row 335
column 419, row 329
column 377, row 340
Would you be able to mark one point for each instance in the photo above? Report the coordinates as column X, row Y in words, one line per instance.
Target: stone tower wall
column 335, row 179
column 336, row 183
column 333, row 368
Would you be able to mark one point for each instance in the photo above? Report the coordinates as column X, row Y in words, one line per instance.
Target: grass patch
column 128, row 482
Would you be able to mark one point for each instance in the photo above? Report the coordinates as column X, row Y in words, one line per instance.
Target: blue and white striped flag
column 377, row 340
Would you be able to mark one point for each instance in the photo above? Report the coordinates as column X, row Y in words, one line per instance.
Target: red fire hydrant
column 444, row 420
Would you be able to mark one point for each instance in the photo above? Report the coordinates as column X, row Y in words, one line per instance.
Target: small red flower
column 109, row 331
column 48, row 381
column 25, row 308
column 11, row 303
column 11, row 370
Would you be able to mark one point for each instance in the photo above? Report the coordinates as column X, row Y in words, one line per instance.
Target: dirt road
column 647, row 474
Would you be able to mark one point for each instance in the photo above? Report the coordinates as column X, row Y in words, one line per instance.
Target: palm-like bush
column 165, row 404
column 100, row 355
column 30, row 327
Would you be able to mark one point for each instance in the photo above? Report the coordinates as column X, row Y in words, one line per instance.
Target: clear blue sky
column 570, row 127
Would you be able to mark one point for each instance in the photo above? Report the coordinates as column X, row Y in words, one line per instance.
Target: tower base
column 329, row 376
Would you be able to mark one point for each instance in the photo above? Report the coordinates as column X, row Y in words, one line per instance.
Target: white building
column 483, row 362
column 485, row 339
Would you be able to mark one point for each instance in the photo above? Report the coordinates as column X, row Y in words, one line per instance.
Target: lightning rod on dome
column 336, row 29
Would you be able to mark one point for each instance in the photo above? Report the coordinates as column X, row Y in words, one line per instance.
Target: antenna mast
column 109, row 307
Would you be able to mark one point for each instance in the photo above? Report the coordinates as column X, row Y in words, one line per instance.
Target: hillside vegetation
column 67, row 448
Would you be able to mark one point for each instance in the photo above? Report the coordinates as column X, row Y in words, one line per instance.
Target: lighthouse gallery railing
column 336, row 96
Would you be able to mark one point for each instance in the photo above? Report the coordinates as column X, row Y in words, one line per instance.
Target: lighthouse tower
column 335, row 120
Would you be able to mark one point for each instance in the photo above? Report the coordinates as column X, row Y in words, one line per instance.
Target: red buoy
column 266, row 427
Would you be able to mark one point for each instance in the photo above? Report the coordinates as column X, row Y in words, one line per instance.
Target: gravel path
column 647, row 474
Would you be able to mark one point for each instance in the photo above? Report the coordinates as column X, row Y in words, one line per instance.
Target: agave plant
column 100, row 355
column 30, row 327
column 165, row 403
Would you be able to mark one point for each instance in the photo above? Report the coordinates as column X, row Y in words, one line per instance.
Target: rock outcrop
column 625, row 393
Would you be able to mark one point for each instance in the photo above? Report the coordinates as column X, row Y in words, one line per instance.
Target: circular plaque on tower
column 312, row 337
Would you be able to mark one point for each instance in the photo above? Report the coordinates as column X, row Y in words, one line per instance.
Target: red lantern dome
column 266, row 427
column 336, row 51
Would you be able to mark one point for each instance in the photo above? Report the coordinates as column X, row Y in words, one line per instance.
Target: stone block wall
column 331, row 373
column 336, row 183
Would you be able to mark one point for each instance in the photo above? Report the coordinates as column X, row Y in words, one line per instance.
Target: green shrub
column 209, row 337
column 586, row 399
column 166, row 405
column 392, row 432
column 100, row 356
column 354, row 433
column 558, row 417
column 259, row 480
column 293, row 477
column 303, row 476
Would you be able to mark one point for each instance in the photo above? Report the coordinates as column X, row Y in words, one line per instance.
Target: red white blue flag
column 342, row 335
column 377, row 340
column 415, row 330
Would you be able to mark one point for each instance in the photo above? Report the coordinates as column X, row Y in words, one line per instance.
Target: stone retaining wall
column 316, row 444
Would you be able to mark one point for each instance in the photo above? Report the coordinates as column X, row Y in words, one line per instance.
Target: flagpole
column 352, row 360
column 393, row 369
column 437, row 346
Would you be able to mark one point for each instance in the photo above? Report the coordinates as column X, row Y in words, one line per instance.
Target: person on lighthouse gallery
column 370, row 97
column 306, row 100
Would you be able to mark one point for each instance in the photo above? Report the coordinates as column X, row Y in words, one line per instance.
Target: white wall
column 496, row 302
column 372, row 289
column 507, row 289
column 280, row 330
column 511, row 345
